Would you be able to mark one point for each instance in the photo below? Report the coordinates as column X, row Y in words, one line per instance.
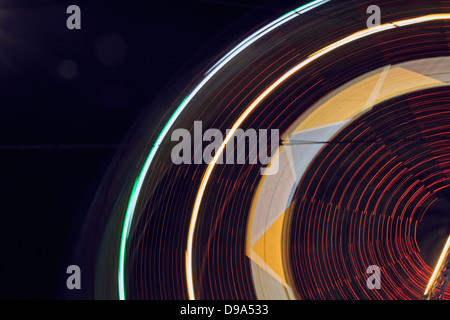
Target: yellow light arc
column 254, row 104
column 439, row 266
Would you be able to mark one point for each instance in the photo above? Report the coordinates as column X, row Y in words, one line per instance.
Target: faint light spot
column 68, row 69
column 110, row 49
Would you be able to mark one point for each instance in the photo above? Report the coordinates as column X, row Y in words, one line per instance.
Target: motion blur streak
column 220, row 64
column 438, row 265
column 314, row 56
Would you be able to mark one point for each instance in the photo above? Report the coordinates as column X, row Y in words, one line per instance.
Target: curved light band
column 439, row 266
column 208, row 75
column 254, row 104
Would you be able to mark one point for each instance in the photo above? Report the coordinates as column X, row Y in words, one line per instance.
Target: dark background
column 68, row 98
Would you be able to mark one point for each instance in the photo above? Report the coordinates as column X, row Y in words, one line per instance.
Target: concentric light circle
column 363, row 166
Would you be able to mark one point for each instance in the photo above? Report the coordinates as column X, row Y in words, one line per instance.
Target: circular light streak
column 311, row 58
column 209, row 74
column 268, row 89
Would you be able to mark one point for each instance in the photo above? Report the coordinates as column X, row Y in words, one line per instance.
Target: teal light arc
column 207, row 76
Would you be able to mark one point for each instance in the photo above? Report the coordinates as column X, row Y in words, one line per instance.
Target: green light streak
column 134, row 196
column 140, row 179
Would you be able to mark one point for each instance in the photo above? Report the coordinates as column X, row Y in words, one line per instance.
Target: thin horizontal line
column 76, row 146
